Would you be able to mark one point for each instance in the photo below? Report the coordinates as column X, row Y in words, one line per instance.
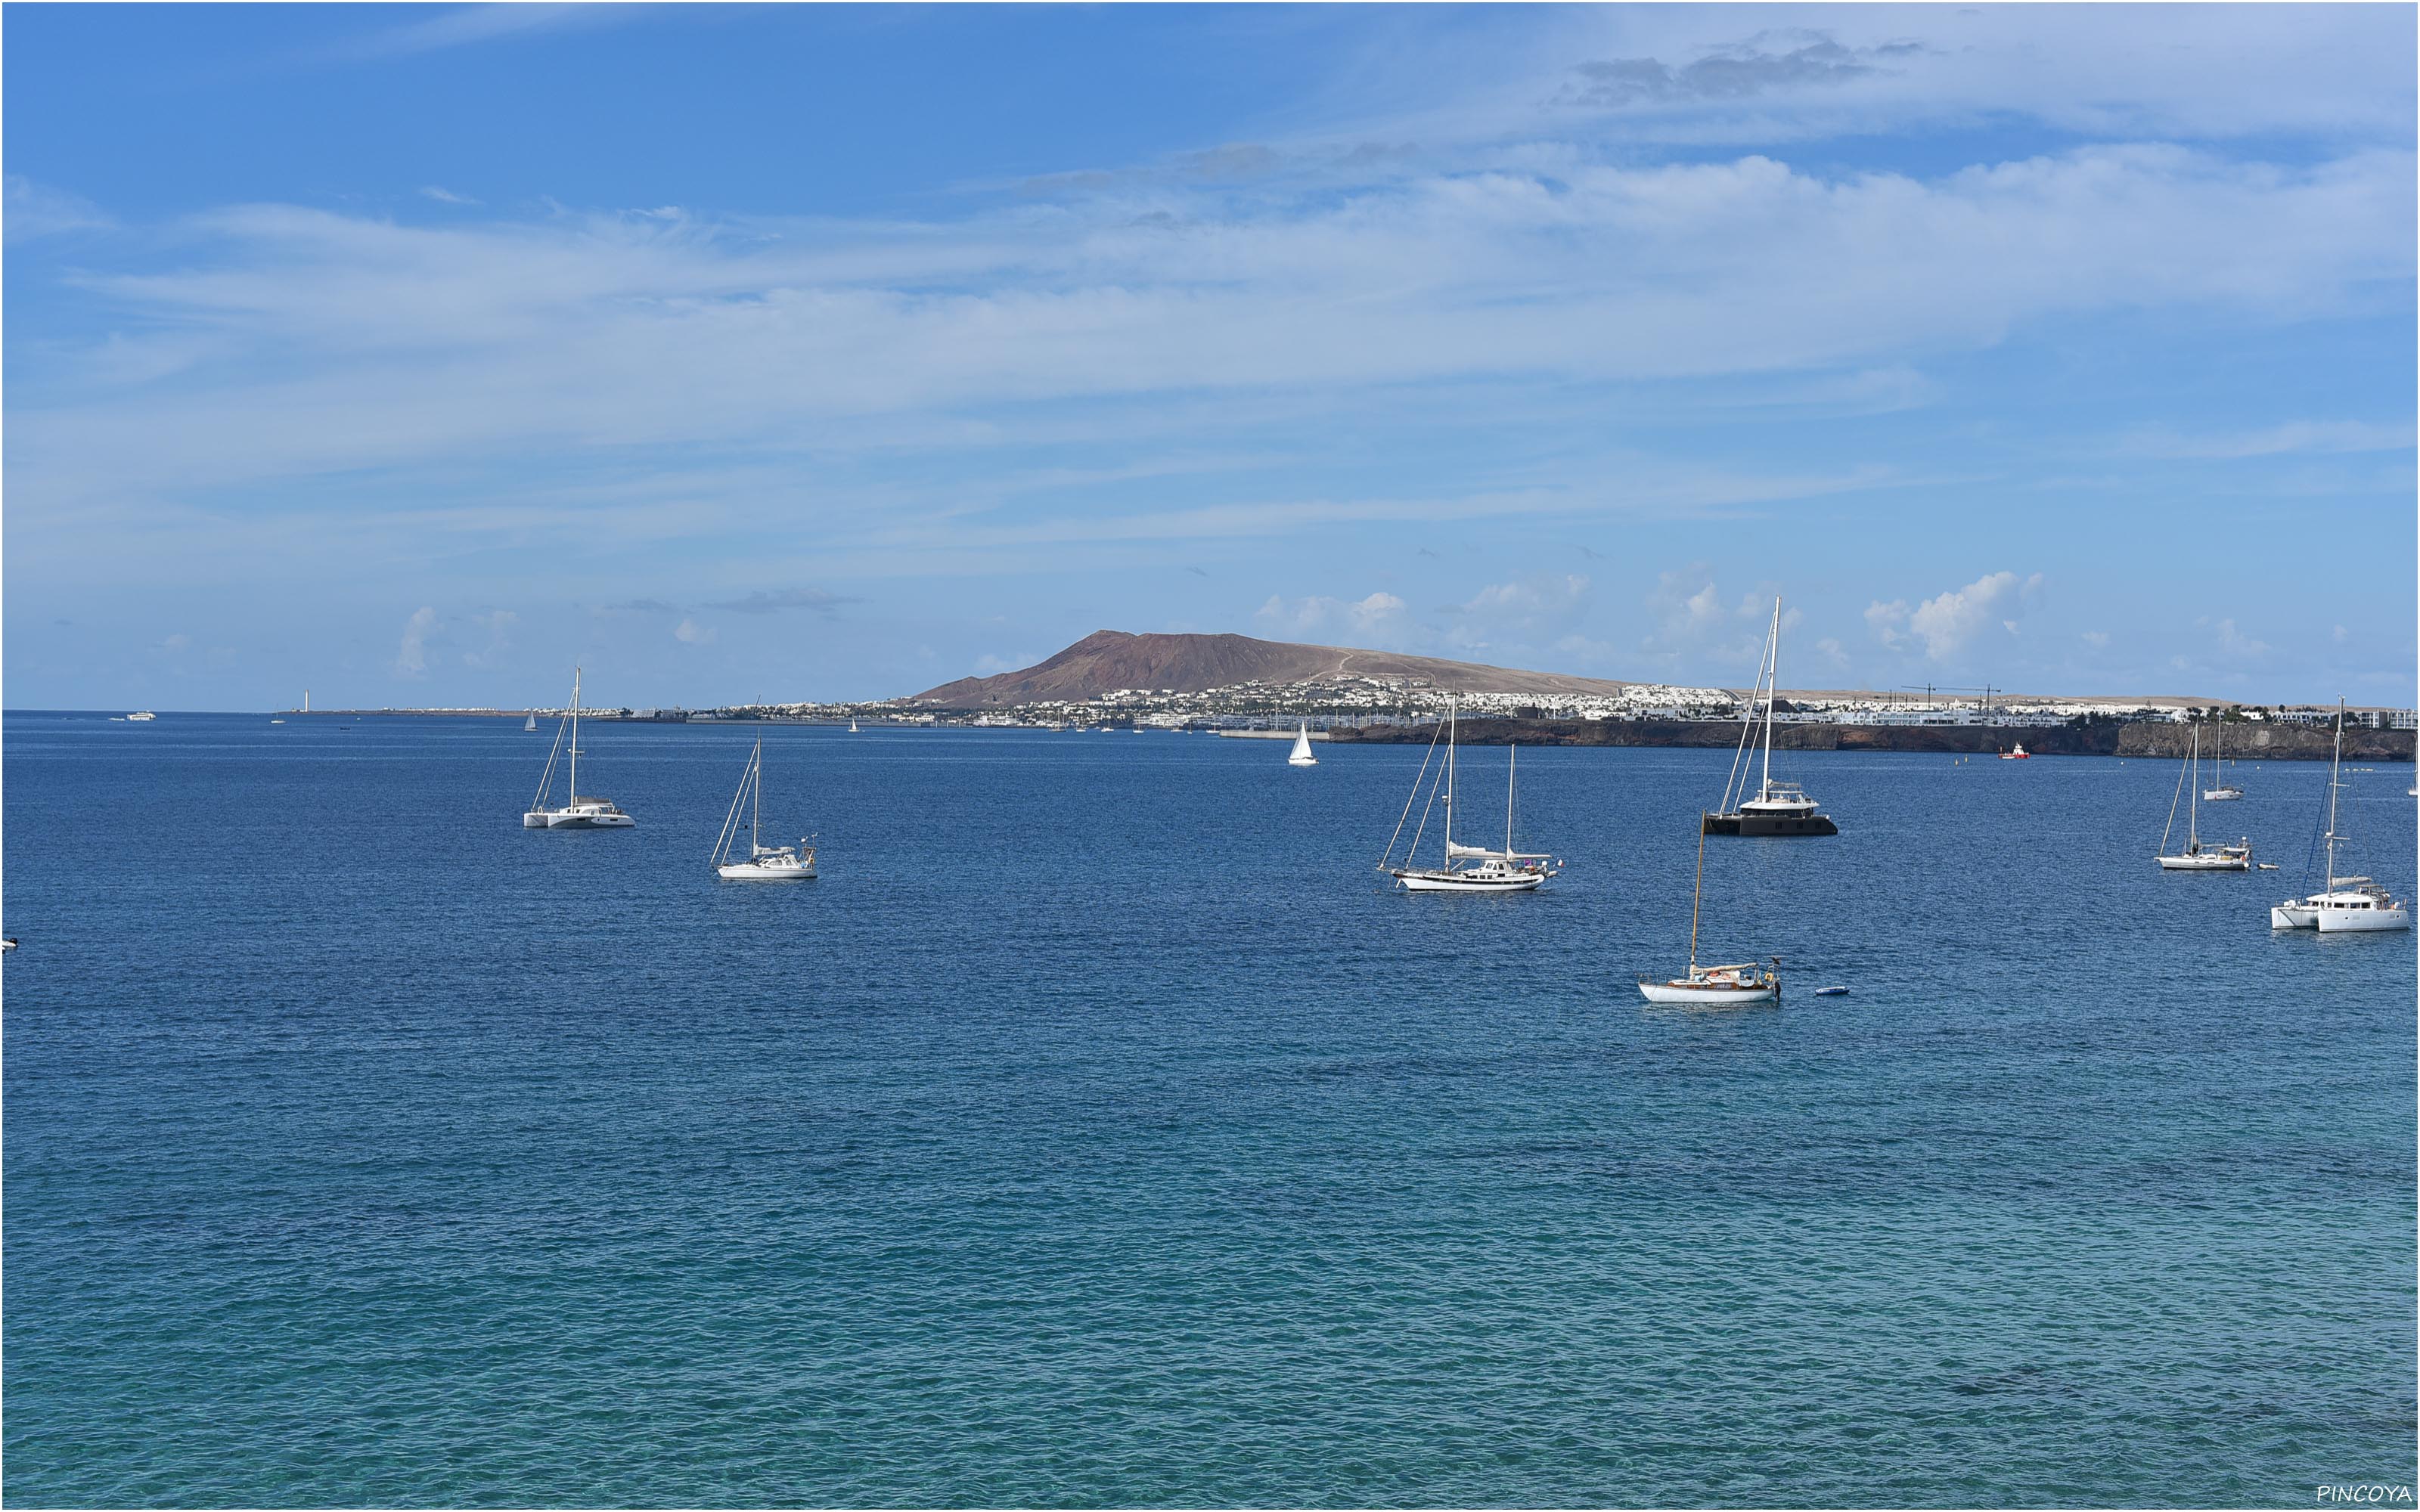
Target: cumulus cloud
column 1948, row 623
column 689, row 633
column 1379, row 617
column 412, row 652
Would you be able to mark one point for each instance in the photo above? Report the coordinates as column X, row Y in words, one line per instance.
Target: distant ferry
column 141, row 715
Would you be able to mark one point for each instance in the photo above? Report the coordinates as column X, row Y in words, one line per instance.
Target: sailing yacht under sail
column 1504, row 870
column 578, row 810
column 2194, row 858
column 1302, row 756
column 2347, row 905
column 1745, row 983
column 530, row 723
column 1779, row 807
column 764, row 863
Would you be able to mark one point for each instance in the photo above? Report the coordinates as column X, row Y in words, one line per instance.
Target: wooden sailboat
column 764, row 863
column 1778, row 809
column 2196, row 856
column 1504, row 870
column 1747, row 983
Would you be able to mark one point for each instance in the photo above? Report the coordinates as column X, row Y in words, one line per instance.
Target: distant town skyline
column 410, row 354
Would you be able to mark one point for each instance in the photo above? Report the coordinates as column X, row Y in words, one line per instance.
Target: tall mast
column 1773, row 674
column 1451, row 706
column 2193, row 815
column 574, row 795
column 756, row 802
column 1508, row 765
column 1697, row 894
column 2334, row 762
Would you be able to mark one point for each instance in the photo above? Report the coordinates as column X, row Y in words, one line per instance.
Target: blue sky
column 410, row 354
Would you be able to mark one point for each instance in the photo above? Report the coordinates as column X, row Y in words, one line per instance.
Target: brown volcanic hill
column 1108, row 660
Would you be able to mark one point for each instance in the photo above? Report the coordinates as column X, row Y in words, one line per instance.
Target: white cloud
column 1833, row 653
column 34, row 209
column 689, row 633
column 1377, row 620
column 1948, row 623
column 446, row 196
column 2097, row 640
column 1531, row 611
column 500, row 338
column 2299, row 436
column 412, row 652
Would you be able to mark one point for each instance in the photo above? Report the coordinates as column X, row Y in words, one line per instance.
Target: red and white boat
column 2019, row 754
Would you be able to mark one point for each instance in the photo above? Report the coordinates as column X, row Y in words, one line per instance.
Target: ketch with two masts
column 1492, row 871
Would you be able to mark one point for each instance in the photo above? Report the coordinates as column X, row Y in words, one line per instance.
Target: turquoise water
column 1095, row 1132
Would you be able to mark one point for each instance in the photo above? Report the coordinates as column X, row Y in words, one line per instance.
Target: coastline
column 2145, row 738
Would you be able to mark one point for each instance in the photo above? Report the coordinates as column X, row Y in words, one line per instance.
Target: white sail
column 1302, row 756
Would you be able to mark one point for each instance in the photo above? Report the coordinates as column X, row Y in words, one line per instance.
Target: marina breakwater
column 2100, row 737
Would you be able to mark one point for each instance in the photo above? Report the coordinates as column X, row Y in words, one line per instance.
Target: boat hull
column 1463, row 881
column 1302, row 761
column 1770, row 826
column 2363, row 920
column 2207, row 861
column 2293, row 915
column 589, row 820
column 1706, row 993
column 756, row 872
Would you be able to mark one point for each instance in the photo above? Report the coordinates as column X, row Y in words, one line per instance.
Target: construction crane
column 1928, row 689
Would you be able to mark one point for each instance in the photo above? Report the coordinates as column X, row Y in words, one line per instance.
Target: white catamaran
column 2347, row 905
column 1504, row 870
column 1745, row 983
column 2194, row 856
column 764, row 863
column 578, row 810
column 1779, row 807
column 1302, row 756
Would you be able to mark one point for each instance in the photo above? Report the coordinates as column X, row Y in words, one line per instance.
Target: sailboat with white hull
column 763, row 863
column 2224, row 790
column 2347, row 905
column 578, row 811
column 1302, row 756
column 1713, row 986
column 1491, row 870
column 2197, row 856
column 1778, row 809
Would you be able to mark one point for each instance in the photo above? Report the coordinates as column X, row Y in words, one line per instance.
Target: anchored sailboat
column 1504, row 870
column 1302, row 756
column 2345, row 905
column 578, row 811
column 2225, row 790
column 1779, row 807
column 1747, row 983
column 2194, row 857
column 764, row 863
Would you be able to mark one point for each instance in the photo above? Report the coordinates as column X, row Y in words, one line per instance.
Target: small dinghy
column 1831, row 992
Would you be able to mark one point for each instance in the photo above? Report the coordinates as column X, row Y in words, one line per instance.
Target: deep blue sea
column 1098, row 1130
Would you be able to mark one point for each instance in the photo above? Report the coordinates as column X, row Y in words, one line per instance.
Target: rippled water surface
column 1097, row 1131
